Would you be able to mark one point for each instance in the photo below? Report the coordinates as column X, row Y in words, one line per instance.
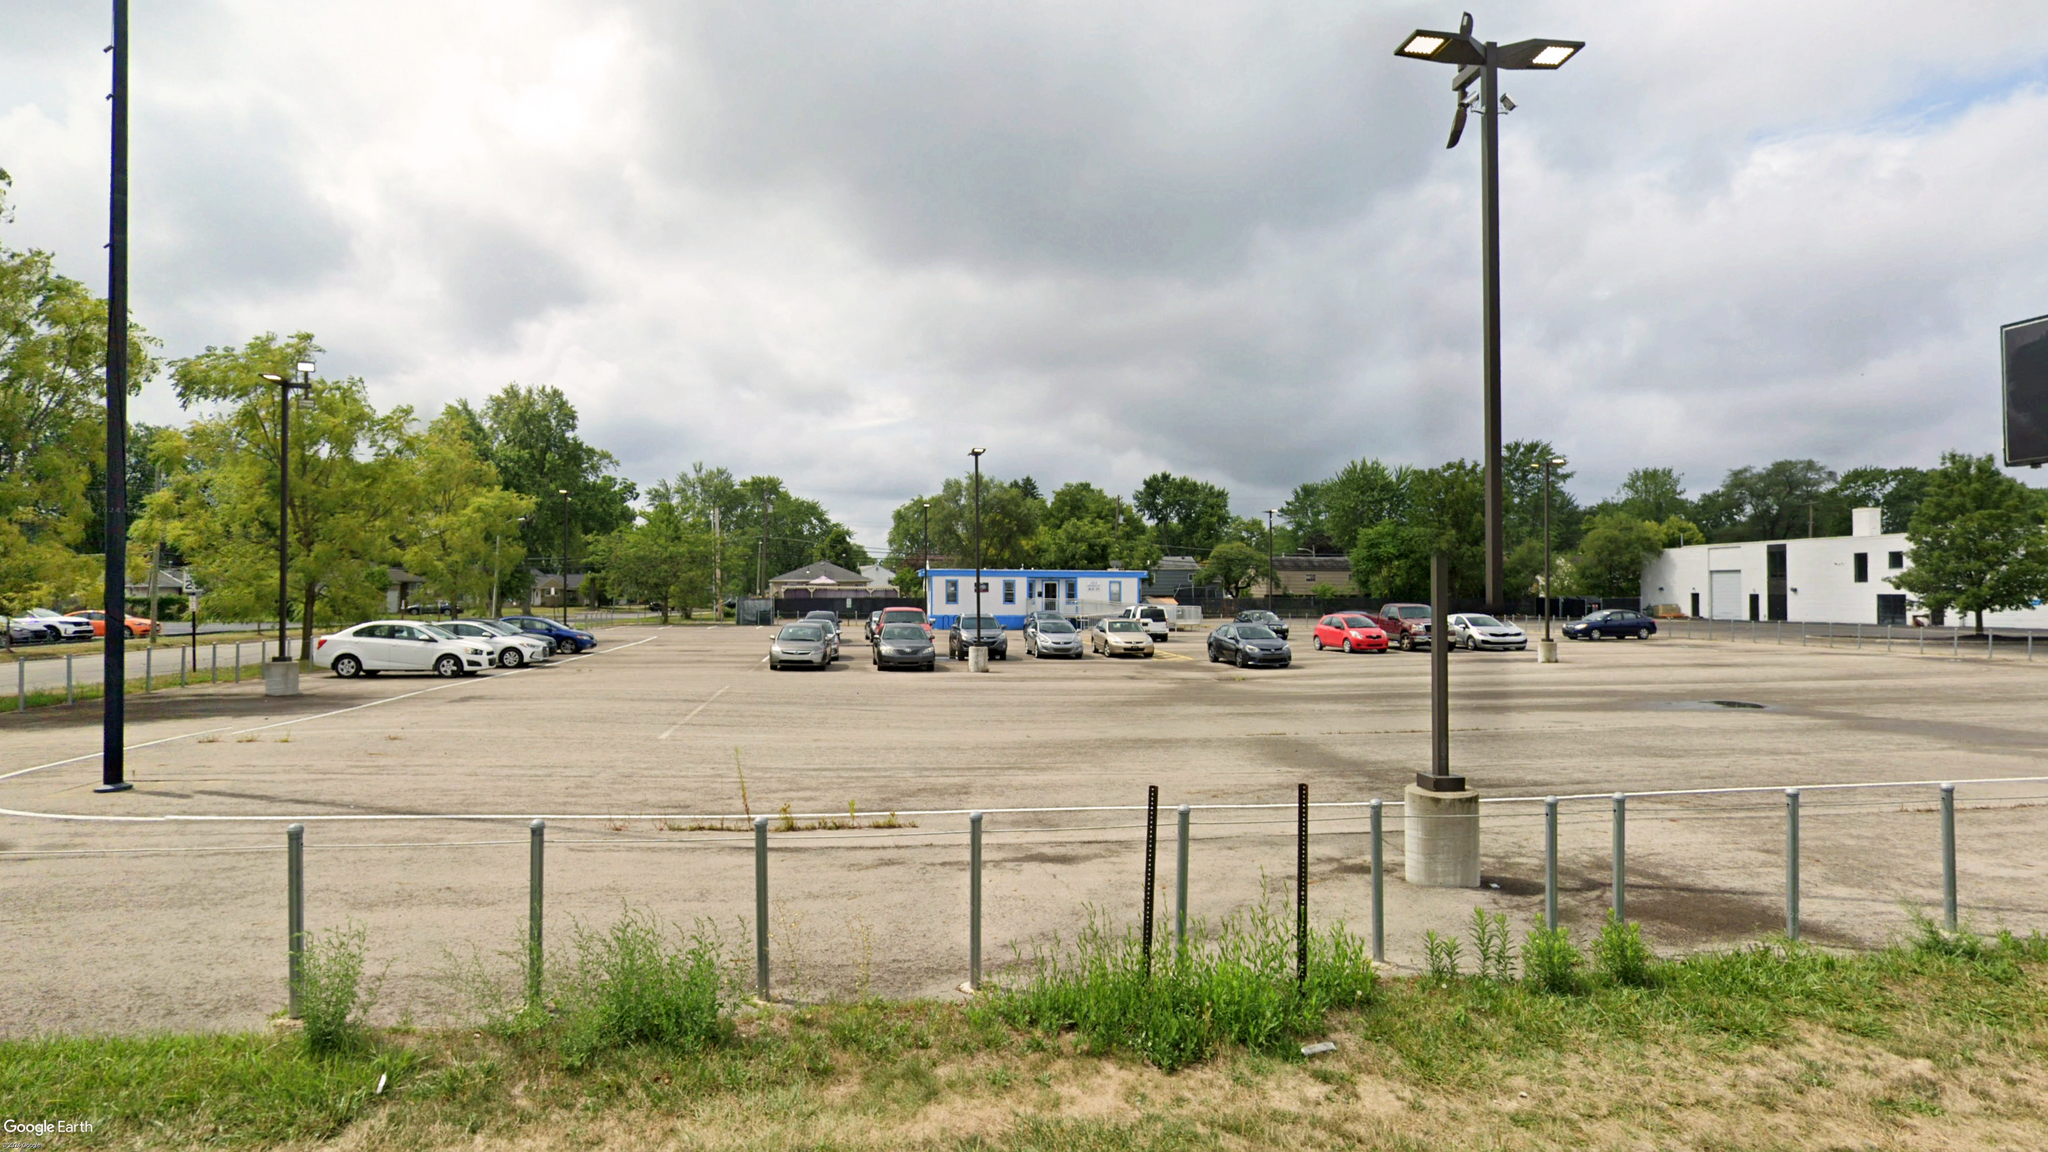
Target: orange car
column 137, row 625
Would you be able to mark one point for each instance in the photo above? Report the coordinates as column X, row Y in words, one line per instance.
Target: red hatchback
column 904, row 616
column 1351, row 631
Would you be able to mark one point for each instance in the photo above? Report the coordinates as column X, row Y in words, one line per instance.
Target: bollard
column 1301, row 887
column 1151, row 858
column 974, row 901
column 1955, row 643
column 20, row 684
column 181, row 667
column 213, row 662
column 146, row 654
column 1379, row 888
column 1180, row 889
column 1887, row 639
column 1550, row 862
column 1990, row 644
column 1792, row 863
column 535, row 858
column 1621, row 856
column 238, row 661
column 761, row 906
column 294, row 911
column 68, row 697
column 1948, row 856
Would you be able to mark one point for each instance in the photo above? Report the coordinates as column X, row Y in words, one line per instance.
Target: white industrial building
column 1014, row 591
column 1822, row 579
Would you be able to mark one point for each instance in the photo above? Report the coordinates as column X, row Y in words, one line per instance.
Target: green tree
column 1011, row 515
column 53, row 346
column 1898, row 491
column 1233, row 564
column 1187, row 515
column 1777, row 502
column 1978, row 542
column 458, row 526
column 1363, row 493
column 528, row 434
column 659, row 561
column 1612, row 554
column 1653, row 494
column 1079, row 500
column 1522, row 487
column 1445, row 511
column 351, row 486
column 837, row 547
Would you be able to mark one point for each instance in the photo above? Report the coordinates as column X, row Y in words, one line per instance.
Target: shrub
column 630, row 986
column 1620, row 954
column 1443, row 956
column 1490, row 941
column 332, row 999
column 1237, row 984
column 1549, row 961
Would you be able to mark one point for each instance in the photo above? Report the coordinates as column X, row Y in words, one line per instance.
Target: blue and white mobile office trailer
column 1011, row 592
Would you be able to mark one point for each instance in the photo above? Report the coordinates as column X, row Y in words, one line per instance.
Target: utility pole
column 717, row 570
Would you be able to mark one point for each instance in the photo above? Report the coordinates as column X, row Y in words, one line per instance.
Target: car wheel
column 510, row 658
column 1319, row 643
column 448, row 666
column 1642, row 633
column 1348, row 649
column 565, row 646
column 347, row 667
column 1212, row 655
column 1240, row 658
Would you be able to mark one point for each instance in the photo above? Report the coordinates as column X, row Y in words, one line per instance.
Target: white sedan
column 398, row 646
column 1477, row 631
column 68, row 627
column 510, row 648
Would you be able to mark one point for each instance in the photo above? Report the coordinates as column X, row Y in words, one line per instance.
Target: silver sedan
column 808, row 644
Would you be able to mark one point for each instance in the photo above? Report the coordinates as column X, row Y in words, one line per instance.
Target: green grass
column 1036, row 1066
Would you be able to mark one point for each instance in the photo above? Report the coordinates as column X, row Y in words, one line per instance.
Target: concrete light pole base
column 977, row 658
column 1546, row 651
column 281, row 678
column 1442, row 834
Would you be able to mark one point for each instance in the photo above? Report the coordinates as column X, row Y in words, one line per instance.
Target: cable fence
column 811, row 905
column 1955, row 642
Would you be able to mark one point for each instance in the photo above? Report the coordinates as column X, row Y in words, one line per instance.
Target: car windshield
column 1255, row 632
column 436, row 633
column 1412, row 612
column 909, row 615
column 823, row 617
column 802, row 632
column 1054, row 627
column 1124, row 626
column 979, row 624
column 1357, row 622
column 496, row 628
column 902, row 632
column 1482, row 622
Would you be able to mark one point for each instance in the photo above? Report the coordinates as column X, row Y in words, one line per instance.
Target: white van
column 1158, row 622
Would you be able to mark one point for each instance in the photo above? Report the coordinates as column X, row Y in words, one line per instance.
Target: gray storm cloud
column 839, row 243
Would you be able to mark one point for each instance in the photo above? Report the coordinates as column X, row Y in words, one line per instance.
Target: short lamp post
column 564, row 565
column 1481, row 61
column 1546, row 648
column 285, row 684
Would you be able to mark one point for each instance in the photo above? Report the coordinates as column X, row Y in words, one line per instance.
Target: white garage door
column 1724, row 592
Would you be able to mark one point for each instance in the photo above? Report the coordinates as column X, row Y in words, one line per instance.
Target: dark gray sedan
column 1052, row 638
column 978, row 632
column 904, row 646
column 1249, row 646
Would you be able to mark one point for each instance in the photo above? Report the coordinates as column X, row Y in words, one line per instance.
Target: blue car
column 1616, row 622
column 566, row 640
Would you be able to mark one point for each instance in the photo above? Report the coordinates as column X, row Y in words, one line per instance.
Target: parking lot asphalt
column 636, row 751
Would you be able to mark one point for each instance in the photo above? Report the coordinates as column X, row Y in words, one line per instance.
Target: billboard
column 2023, row 350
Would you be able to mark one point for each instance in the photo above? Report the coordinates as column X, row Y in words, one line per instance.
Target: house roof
column 809, row 574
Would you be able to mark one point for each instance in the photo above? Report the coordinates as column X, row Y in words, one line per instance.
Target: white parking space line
column 694, row 711
column 304, row 719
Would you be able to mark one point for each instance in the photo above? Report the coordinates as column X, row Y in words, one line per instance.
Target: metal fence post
column 238, row 661
column 1379, row 887
column 1151, row 863
column 213, row 663
column 295, row 911
column 1301, row 888
column 535, row 858
column 20, row 684
column 1948, row 856
column 1990, row 644
column 146, row 666
column 974, row 901
column 1621, row 856
column 1550, row 862
column 761, row 906
column 1792, row 863
column 69, row 697
column 181, row 668
column 1180, row 887
column 1955, row 642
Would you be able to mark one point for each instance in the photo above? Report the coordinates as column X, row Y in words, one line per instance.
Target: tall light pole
column 1482, row 61
column 1271, row 575
column 1547, row 653
column 924, row 573
column 285, row 387
column 717, row 570
column 114, row 667
column 564, row 565
column 761, row 558
column 976, row 453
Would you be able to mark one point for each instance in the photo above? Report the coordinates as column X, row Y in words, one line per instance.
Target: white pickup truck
column 1158, row 621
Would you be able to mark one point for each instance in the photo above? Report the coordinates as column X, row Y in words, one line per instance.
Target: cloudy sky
column 845, row 242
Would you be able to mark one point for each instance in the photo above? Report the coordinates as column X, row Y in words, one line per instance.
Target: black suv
column 1261, row 616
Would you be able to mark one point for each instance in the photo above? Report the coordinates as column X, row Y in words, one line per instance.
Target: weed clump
column 1236, row 983
column 332, row 998
column 1619, row 953
column 635, row 985
column 1550, row 963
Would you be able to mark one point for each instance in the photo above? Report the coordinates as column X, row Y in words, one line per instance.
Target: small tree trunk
column 1980, row 621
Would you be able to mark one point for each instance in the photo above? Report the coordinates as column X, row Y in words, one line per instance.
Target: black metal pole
column 977, row 545
column 113, row 708
column 1272, row 576
column 1151, row 858
column 565, row 559
column 284, row 503
column 925, row 571
column 1546, row 550
column 1439, row 777
column 1489, row 163
column 1301, row 888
